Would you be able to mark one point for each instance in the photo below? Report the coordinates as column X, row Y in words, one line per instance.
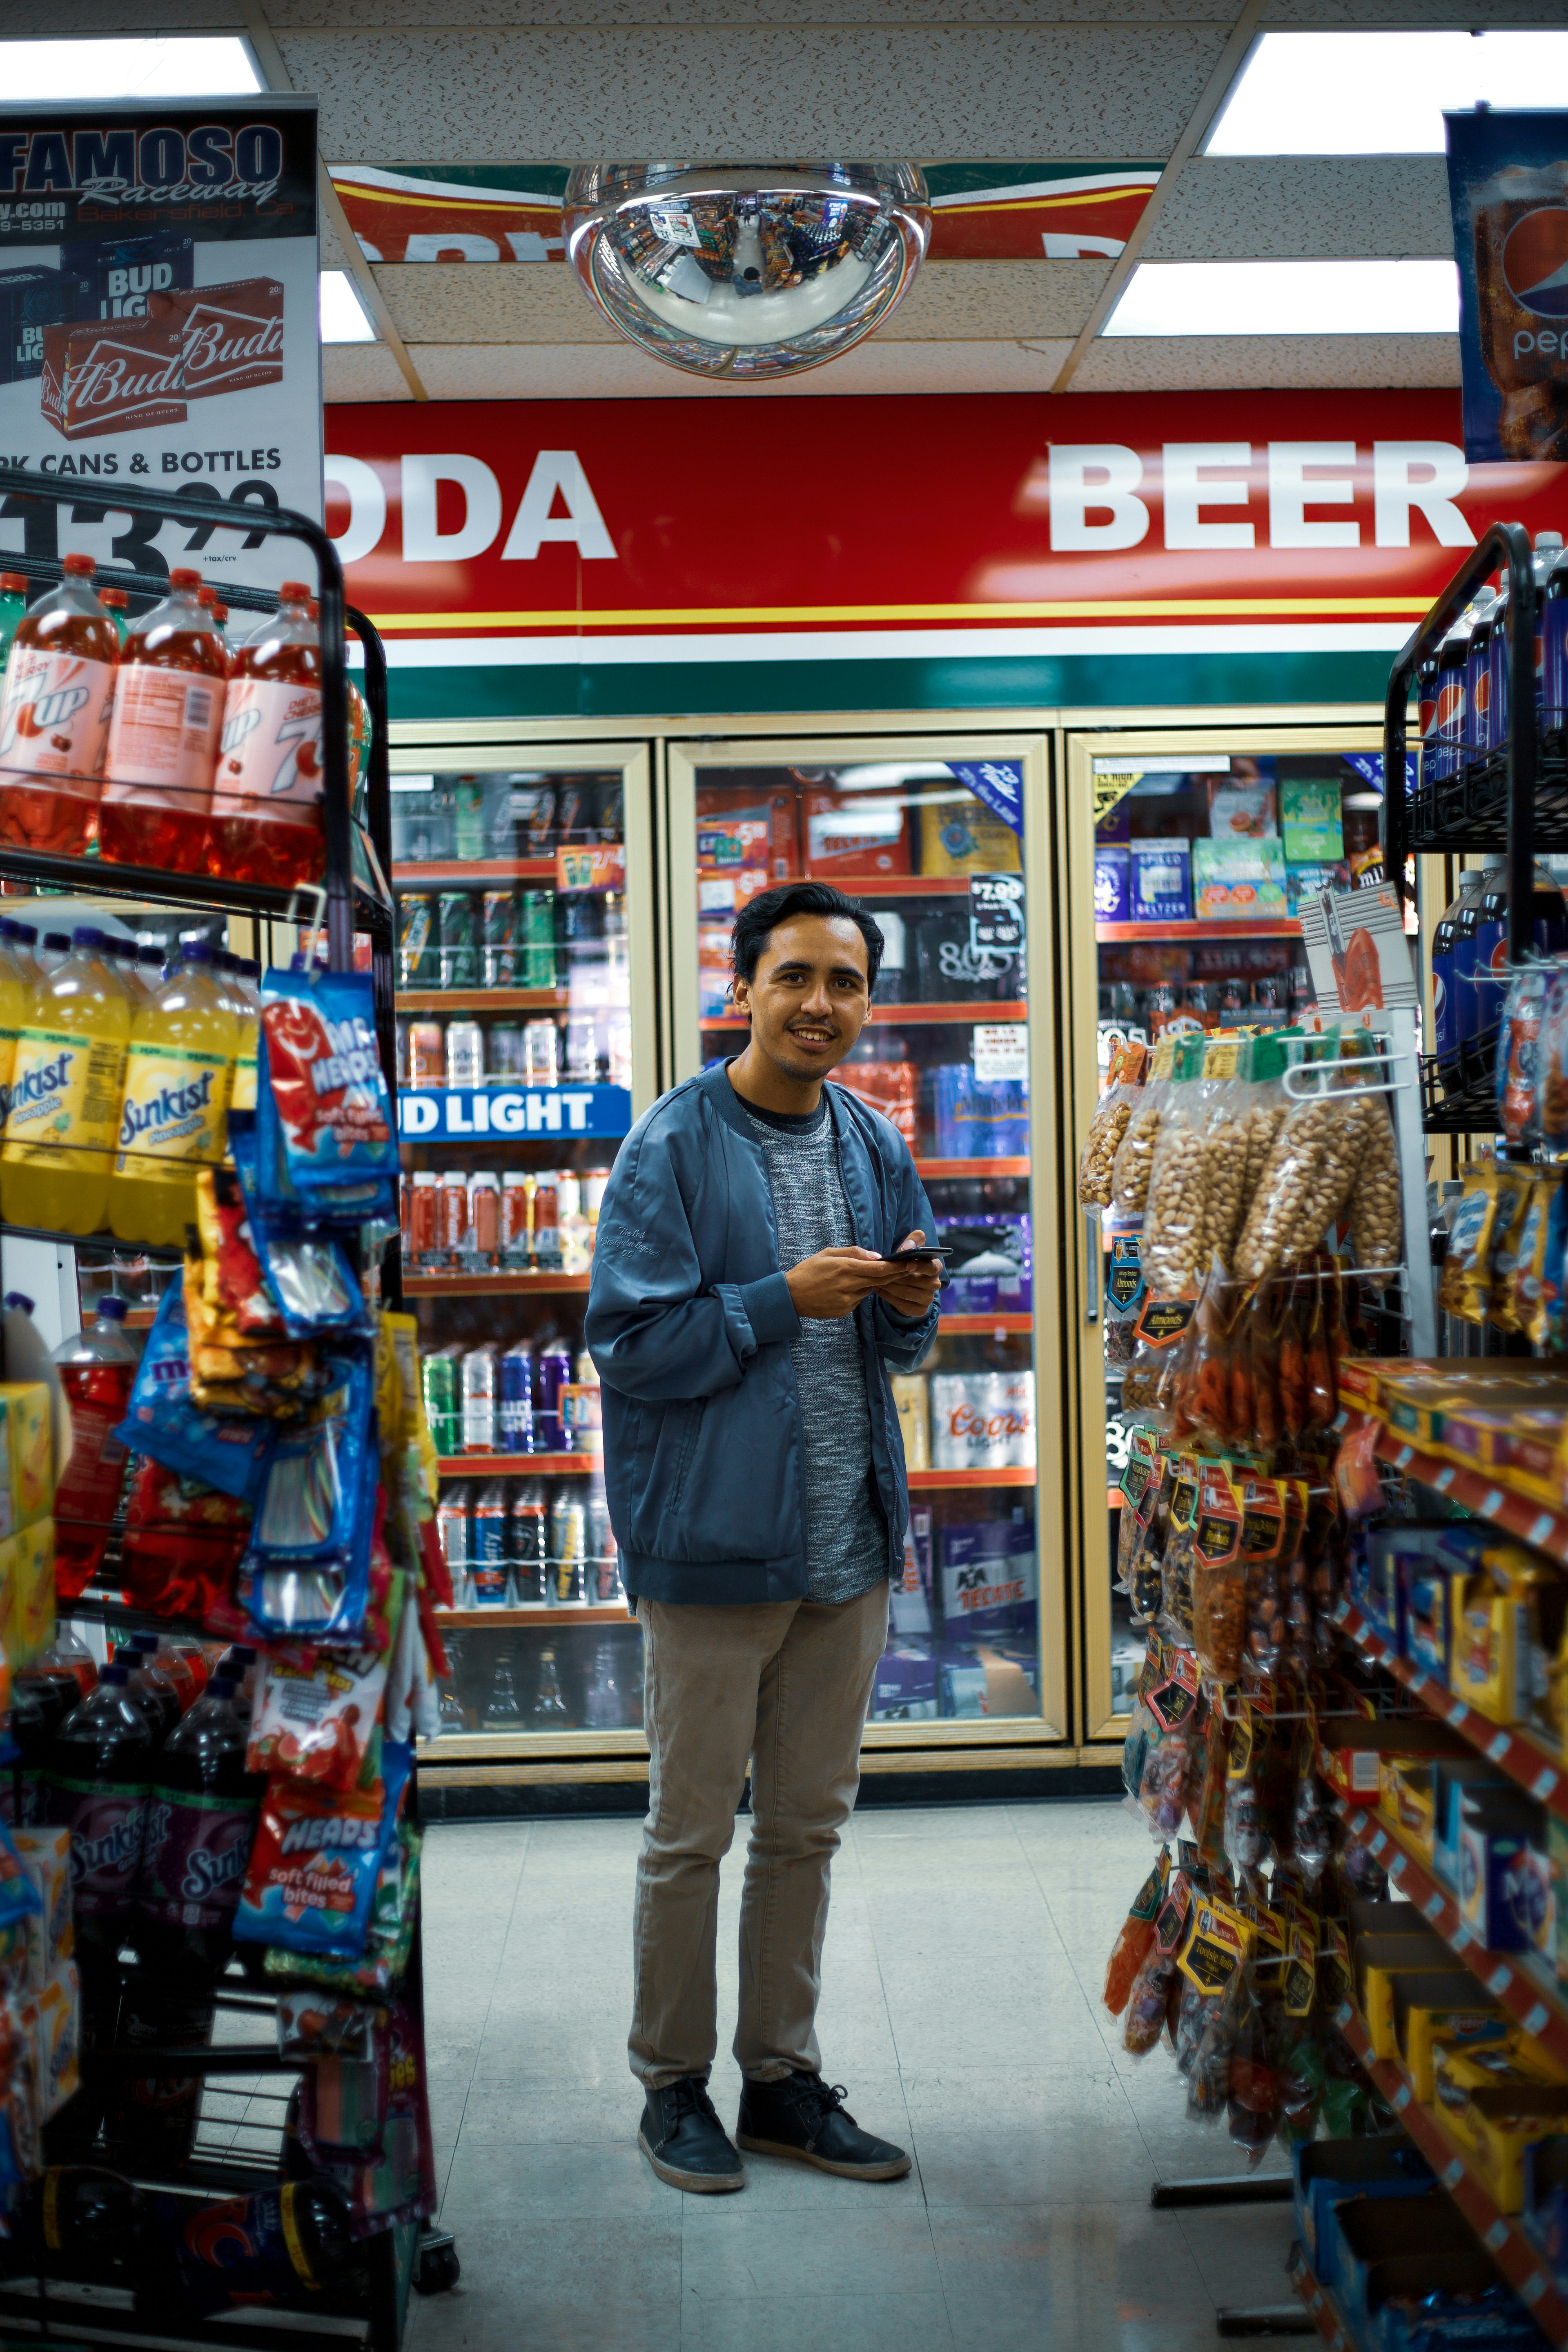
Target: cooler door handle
column 1091, row 1267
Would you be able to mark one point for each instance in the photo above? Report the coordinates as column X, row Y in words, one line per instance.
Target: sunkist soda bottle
column 18, row 976
column 267, row 799
column 163, row 737
column 97, row 1369
column 63, row 1119
column 54, row 716
column 174, row 1114
column 152, row 1691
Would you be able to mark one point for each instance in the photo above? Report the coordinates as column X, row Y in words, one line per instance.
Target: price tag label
column 1000, row 1052
column 996, row 911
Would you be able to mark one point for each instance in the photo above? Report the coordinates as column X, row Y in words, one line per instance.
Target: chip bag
column 326, row 1134
column 165, row 1422
column 307, row 1570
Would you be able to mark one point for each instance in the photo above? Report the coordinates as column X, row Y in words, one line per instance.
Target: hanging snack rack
column 240, row 2137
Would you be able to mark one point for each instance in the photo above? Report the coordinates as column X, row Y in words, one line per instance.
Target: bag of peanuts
column 1308, row 1180
column 1112, row 1113
column 1176, row 1251
column 1135, row 1152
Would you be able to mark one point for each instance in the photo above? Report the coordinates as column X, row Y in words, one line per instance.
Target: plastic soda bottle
column 238, row 978
column 201, row 1815
column 175, row 1110
column 100, row 1762
column 66, row 1087
column 13, row 604
column 117, row 604
column 163, row 737
column 53, row 715
column 18, row 975
column 267, row 800
column 97, row 1369
column 152, row 1692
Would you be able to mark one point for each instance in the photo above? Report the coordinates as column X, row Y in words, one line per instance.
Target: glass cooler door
column 1194, row 850
column 948, row 844
column 525, row 986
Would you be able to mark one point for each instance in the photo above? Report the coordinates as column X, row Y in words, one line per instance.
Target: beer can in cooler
column 498, row 928
column 503, row 1053
column 593, row 1182
column 535, row 953
column 583, row 1047
column 452, row 1527
column 530, row 1543
column 514, row 1186
column 983, row 1421
column 464, row 1054
column 426, row 1054
column 552, row 1371
column 452, row 1213
column 603, row 1577
column 438, row 1377
column 568, row 1545
column 418, row 939
column 541, row 1054
column 480, row 1400
column 568, row 1193
column 516, row 1413
column 545, row 1222
column 458, row 912
column 490, row 1547
column 913, row 1402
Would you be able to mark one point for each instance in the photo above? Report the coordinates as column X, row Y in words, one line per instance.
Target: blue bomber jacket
column 689, row 1320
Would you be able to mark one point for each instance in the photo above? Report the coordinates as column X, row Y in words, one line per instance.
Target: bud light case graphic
column 1508, row 187
column 158, row 309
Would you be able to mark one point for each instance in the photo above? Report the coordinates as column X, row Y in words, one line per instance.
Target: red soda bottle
column 97, row 1369
column 54, row 717
column 267, row 800
column 162, row 739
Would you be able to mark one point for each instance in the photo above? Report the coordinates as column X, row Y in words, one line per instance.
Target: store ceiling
column 1096, row 82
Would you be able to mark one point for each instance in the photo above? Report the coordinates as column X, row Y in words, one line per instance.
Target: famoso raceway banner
column 158, row 324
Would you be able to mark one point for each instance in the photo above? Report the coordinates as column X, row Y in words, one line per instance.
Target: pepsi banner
column 158, row 325
column 1507, row 186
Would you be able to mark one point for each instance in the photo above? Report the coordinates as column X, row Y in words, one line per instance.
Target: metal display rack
column 237, row 2154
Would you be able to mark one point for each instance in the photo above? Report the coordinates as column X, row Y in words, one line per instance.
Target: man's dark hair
column 759, row 916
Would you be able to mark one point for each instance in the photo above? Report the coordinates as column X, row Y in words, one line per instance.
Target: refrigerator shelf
column 1275, row 927
column 1521, row 1982
column 955, row 1167
column 458, row 873
column 981, row 1327
column 1510, row 1746
column 519, row 1465
column 482, row 1000
column 1520, row 2260
column 570, row 1612
column 487, row 1285
column 906, row 1016
column 930, row 1481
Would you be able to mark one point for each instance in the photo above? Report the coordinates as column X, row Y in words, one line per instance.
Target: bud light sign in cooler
column 158, row 319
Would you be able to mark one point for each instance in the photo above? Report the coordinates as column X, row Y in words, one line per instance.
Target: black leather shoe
column 683, row 2139
column 800, row 2116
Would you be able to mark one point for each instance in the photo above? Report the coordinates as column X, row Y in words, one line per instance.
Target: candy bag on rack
column 316, row 1714
column 1136, row 1937
column 1514, row 1186
column 306, row 1573
column 1219, row 1579
column 307, row 1274
column 389, row 1937
column 1464, row 1287
column 163, row 1422
column 181, row 1551
column 316, row 1860
column 230, row 1272
column 326, row 1135
column 1520, row 1116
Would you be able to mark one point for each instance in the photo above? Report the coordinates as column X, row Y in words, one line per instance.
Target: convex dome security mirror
column 746, row 273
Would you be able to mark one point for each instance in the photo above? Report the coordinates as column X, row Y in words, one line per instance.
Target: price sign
column 1001, row 1053
column 996, row 911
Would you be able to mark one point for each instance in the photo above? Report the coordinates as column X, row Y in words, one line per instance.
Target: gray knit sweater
column 845, row 1534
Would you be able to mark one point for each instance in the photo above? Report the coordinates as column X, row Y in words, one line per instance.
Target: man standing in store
column 744, row 1315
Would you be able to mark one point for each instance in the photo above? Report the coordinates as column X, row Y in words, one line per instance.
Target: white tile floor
column 964, row 1958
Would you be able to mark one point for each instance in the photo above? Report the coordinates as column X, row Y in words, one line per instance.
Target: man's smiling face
column 809, row 997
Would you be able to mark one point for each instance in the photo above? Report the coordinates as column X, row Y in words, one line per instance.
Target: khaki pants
column 786, row 1684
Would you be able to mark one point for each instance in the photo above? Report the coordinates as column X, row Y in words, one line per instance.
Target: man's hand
column 910, row 1289
column 834, row 1281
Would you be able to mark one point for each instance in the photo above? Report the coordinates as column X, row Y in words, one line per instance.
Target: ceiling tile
column 1290, row 207
column 361, row 372
column 569, row 94
column 579, row 372
column 1246, row 363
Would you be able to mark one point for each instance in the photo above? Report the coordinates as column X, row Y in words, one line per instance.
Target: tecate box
column 1161, row 887
column 1112, row 884
column 983, row 1421
column 992, row 1270
column 989, row 1580
column 976, row 1121
column 910, row 1594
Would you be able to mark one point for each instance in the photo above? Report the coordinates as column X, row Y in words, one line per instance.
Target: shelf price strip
column 1504, row 1975
column 1503, row 2239
column 1523, row 1516
column 1513, row 1751
column 1318, row 2305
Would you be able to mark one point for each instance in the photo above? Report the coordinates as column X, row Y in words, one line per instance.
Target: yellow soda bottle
column 174, row 1116
column 245, row 999
column 66, row 1084
column 18, row 976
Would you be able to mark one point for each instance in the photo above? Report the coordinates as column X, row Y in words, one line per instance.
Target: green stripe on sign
column 648, row 690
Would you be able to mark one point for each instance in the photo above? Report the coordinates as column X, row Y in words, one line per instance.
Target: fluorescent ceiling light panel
column 1289, row 298
column 203, row 67
column 1380, row 93
column 345, row 319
